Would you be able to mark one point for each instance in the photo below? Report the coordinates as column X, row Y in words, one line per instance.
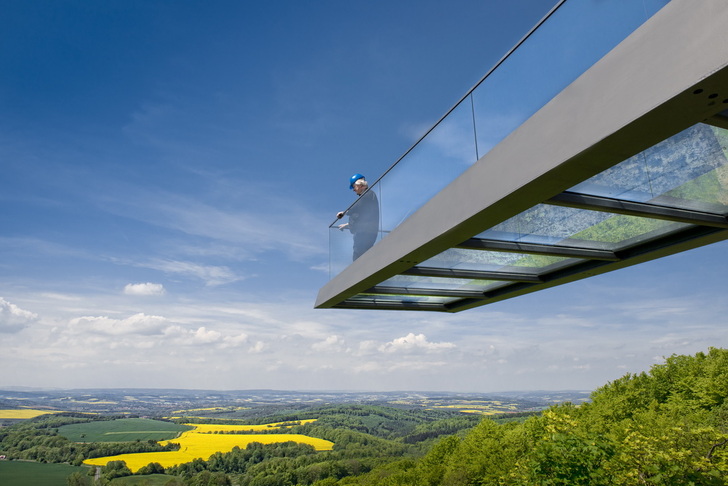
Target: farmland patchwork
column 205, row 440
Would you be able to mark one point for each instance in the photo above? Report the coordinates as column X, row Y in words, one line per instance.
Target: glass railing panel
column 437, row 160
column 340, row 250
column 570, row 41
column 573, row 39
column 686, row 171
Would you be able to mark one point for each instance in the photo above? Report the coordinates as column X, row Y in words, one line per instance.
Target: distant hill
column 166, row 401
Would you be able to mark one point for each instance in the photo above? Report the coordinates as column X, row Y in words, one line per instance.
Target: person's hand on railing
column 340, row 215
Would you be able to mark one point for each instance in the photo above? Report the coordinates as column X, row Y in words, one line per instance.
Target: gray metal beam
column 410, row 306
column 669, row 244
column 720, row 120
column 654, row 84
column 385, row 290
column 472, row 274
column 685, row 239
column 537, row 249
column 631, row 208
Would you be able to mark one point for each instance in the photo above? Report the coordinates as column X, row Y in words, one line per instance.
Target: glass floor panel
column 414, row 283
column 408, row 299
column 675, row 191
column 579, row 228
column 686, row 171
column 494, row 261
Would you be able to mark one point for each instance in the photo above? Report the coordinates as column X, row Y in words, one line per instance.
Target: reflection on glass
column 433, row 163
column 685, row 171
column 579, row 228
column 569, row 42
column 493, row 261
column 565, row 46
column 409, row 299
column 340, row 244
column 414, row 282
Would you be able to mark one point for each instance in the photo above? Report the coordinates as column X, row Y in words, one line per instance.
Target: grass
column 122, row 430
column 148, row 480
column 23, row 473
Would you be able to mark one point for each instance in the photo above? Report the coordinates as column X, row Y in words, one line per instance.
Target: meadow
column 146, row 480
column 122, row 430
column 207, row 439
column 17, row 473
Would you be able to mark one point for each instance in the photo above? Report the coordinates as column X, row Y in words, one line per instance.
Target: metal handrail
column 463, row 98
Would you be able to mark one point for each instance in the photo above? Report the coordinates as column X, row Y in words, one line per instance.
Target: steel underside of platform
column 659, row 96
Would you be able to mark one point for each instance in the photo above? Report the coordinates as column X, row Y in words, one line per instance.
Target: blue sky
column 169, row 170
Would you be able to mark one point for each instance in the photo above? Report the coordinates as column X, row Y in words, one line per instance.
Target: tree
column 668, row 427
column 79, row 479
column 151, row 468
column 115, row 469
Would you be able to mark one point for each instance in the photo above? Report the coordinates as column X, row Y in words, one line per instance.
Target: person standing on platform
column 363, row 216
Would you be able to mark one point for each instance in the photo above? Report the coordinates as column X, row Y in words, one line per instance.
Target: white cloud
column 144, row 289
column 321, row 267
column 234, row 341
column 204, row 336
column 368, row 345
column 13, row 318
column 60, row 297
column 177, row 335
column 416, row 365
column 211, row 274
column 303, row 347
column 412, row 342
column 252, row 227
column 258, row 347
column 136, row 324
column 331, row 344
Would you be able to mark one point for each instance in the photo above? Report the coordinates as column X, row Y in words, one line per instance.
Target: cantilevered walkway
column 599, row 142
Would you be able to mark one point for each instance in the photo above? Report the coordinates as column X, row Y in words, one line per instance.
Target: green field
column 148, row 480
column 122, row 430
column 22, row 473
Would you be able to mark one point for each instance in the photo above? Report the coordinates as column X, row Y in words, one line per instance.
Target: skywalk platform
column 557, row 168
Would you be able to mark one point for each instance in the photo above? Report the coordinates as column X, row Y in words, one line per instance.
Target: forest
column 668, row 426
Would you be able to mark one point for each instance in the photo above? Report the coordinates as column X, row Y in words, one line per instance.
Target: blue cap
column 355, row 178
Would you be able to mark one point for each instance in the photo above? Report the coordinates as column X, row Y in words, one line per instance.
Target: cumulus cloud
column 235, row 341
column 144, row 289
column 331, row 343
column 181, row 336
column 13, row 318
column 204, row 336
column 368, row 346
column 412, row 342
column 258, row 347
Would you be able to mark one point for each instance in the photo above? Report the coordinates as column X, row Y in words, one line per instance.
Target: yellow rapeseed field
column 24, row 413
column 211, row 428
column 209, row 409
column 244, row 427
column 201, row 443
